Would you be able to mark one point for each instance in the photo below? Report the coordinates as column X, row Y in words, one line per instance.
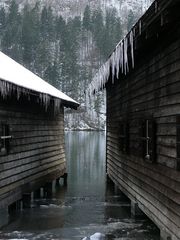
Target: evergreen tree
column 68, row 54
column 87, row 18
column 43, row 56
column 2, row 20
column 12, row 33
column 30, row 34
column 130, row 20
column 98, row 29
column 51, row 74
column 60, row 27
column 47, row 24
column 13, row 13
column 118, row 35
column 112, row 32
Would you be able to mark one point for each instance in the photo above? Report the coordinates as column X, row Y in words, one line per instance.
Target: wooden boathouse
column 142, row 82
column 31, row 131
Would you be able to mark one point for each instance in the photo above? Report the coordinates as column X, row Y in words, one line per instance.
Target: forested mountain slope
column 66, row 41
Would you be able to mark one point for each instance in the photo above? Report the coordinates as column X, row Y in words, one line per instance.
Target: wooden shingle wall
column 36, row 149
column 151, row 90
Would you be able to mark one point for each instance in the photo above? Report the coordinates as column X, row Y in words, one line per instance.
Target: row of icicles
column 9, row 89
column 118, row 61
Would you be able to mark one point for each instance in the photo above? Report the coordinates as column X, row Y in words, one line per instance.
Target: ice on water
column 96, row 236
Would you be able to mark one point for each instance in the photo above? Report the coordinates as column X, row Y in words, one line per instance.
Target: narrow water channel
column 87, row 205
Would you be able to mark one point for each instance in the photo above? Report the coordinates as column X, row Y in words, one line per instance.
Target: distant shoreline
column 85, row 130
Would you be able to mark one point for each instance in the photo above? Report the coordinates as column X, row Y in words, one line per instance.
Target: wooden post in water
column 57, row 182
column 48, row 189
column 65, row 176
column 4, row 215
column 135, row 210
column 41, row 192
column 37, row 193
column 26, row 200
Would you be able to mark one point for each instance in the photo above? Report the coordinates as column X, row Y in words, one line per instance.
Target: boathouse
column 31, row 131
column 142, row 82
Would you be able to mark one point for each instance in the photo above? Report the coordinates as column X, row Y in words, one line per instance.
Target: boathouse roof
column 159, row 24
column 16, row 79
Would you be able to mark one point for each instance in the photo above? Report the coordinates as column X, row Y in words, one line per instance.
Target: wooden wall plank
column 36, row 148
column 152, row 89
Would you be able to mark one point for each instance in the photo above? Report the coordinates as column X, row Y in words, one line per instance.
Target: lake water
column 87, row 205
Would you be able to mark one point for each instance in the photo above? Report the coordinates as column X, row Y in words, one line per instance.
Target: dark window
column 124, row 136
column 5, row 139
column 148, row 139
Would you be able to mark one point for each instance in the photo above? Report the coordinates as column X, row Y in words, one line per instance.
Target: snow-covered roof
column 12, row 73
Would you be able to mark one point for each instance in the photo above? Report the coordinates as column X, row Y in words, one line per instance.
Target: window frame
column 5, row 138
column 147, row 136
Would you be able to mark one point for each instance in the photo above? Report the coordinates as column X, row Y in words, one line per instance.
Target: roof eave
column 73, row 105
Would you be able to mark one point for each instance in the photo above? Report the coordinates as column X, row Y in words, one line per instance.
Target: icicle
column 7, row 89
column 117, row 57
column 126, row 66
column 124, row 54
column 28, row 96
column 112, row 62
column 118, row 61
column 57, row 105
column 18, row 94
column 140, row 27
column 121, row 60
column 131, row 37
column 156, row 6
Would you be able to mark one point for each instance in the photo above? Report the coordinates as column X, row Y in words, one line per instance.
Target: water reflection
column 86, row 163
column 85, row 206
